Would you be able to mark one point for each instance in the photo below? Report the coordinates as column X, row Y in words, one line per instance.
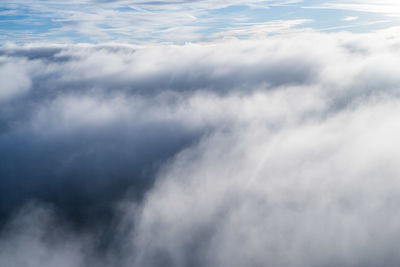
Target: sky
column 199, row 133
column 94, row 21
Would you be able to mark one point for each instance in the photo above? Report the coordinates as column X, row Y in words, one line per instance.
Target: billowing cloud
column 276, row 152
column 15, row 82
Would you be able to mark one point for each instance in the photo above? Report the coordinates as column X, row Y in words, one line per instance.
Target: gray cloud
column 278, row 152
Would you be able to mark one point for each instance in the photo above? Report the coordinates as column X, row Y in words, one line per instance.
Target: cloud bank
column 280, row 152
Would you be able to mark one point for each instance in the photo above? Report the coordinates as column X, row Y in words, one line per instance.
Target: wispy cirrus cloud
column 96, row 21
column 170, row 21
column 260, row 30
column 350, row 18
column 387, row 7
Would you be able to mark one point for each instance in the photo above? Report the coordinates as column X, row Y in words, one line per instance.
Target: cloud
column 256, row 198
column 33, row 246
column 278, row 152
column 14, row 82
column 387, row 7
column 101, row 21
column 261, row 30
column 350, row 18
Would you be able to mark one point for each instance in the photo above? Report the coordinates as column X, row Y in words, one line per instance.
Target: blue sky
column 172, row 21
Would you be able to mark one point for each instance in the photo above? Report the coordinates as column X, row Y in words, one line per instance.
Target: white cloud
column 350, row 18
column 387, row 7
column 138, row 21
column 261, row 30
column 290, row 155
column 256, row 197
column 14, row 81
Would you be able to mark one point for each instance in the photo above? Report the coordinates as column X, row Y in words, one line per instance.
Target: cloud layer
column 102, row 20
column 280, row 152
column 177, row 22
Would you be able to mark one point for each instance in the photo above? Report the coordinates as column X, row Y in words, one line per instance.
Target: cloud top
column 278, row 152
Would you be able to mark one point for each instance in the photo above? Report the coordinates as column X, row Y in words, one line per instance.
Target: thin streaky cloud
column 350, row 18
column 370, row 6
column 185, row 21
